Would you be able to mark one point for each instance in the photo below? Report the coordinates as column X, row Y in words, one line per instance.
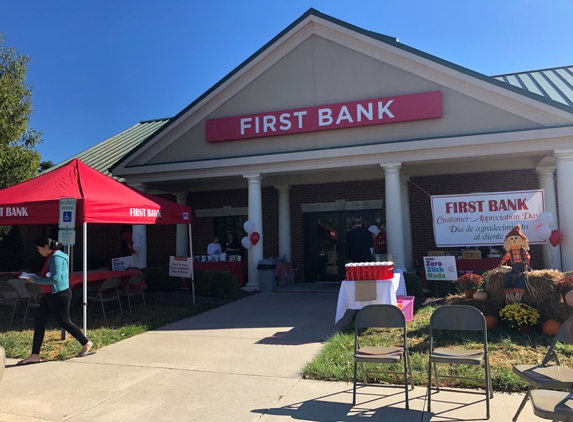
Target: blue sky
column 100, row 67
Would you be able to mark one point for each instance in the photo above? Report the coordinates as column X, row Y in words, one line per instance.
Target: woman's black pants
column 57, row 304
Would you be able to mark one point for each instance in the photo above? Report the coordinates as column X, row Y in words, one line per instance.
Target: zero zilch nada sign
column 376, row 111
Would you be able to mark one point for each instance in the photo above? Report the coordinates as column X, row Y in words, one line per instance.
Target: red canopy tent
column 99, row 199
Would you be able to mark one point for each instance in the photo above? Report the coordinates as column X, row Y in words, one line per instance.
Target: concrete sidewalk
column 239, row 362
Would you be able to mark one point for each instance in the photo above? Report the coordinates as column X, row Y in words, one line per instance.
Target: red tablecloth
column 94, row 277
column 239, row 269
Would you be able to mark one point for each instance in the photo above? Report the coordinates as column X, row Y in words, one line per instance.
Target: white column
column 394, row 221
column 182, row 234
column 551, row 255
column 284, row 222
column 140, row 259
column 407, row 224
column 256, row 216
column 564, row 178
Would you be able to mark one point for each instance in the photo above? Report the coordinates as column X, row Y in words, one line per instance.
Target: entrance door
column 325, row 238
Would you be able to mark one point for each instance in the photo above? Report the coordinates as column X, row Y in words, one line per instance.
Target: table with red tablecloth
column 239, row 269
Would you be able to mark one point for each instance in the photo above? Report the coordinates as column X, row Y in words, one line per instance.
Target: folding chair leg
column 411, row 376
column 437, row 378
column 354, row 386
column 26, row 313
column 13, row 313
column 521, row 406
column 406, row 382
column 129, row 304
column 143, row 298
column 103, row 310
column 429, row 393
column 119, row 301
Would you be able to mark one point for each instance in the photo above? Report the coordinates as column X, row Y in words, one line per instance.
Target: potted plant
column 469, row 283
column 520, row 316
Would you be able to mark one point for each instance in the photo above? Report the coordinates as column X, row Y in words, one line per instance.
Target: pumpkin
column 551, row 326
column 569, row 298
column 491, row 321
column 480, row 295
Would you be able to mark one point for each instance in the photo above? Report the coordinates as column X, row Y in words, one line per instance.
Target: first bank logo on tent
column 144, row 212
column 13, row 211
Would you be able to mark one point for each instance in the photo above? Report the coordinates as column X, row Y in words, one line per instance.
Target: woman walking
column 56, row 303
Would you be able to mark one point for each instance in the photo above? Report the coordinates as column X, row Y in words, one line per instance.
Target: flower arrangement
column 519, row 315
column 469, row 281
column 565, row 284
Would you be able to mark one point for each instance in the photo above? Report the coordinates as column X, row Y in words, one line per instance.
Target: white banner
column 485, row 218
column 180, row 266
column 118, row 264
column 440, row 268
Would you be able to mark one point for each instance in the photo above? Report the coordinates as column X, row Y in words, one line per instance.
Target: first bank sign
column 376, row 111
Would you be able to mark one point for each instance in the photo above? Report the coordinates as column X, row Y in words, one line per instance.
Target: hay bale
column 560, row 312
column 487, row 307
column 541, row 287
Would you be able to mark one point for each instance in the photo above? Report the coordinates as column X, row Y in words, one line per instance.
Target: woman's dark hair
column 46, row 241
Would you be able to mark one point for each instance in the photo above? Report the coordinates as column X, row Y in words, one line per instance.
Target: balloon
column 543, row 232
column 249, row 226
column 137, row 247
column 545, row 218
column 555, row 238
column 136, row 237
column 126, row 236
column 374, row 230
column 246, row 242
column 255, row 237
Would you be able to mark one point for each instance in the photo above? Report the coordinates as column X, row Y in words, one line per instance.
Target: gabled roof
column 555, row 84
column 374, row 35
column 102, row 155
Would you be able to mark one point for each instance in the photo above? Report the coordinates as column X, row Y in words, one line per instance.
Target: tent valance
column 100, row 199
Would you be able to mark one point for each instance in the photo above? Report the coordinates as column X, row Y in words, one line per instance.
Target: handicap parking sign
column 67, row 213
column 67, row 216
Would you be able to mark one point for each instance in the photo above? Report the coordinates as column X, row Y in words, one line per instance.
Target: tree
column 45, row 165
column 19, row 159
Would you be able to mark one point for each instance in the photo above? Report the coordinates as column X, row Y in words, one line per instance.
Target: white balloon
column 136, row 237
column 374, row 230
column 246, row 242
column 545, row 218
column 249, row 226
column 543, row 232
column 137, row 247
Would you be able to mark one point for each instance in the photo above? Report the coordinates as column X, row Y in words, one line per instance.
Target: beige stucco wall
column 320, row 72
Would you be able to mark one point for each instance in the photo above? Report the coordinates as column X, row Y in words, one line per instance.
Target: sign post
column 181, row 266
column 67, row 232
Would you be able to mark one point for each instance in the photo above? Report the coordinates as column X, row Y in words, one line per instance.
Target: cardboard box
column 406, row 303
column 436, row 253
column 471, row 255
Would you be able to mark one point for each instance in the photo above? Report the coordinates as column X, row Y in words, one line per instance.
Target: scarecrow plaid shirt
column 516, row 255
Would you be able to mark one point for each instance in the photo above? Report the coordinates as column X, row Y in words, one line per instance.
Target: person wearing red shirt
column 381, row 246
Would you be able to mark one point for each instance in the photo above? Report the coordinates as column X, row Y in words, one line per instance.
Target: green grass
column 506, row 347
column 18, row 340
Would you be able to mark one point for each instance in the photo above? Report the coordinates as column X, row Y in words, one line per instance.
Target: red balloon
column 555, row 238
column 126, row 236
column 255, row 237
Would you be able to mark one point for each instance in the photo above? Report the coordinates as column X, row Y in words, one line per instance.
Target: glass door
column 325, row 237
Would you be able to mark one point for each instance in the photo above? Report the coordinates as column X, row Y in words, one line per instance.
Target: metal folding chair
column 458, row 318
column 545, row 376
column 551, row 404
column 134, row 287
column 107, row 292
column 9, row 296
column 34, row 293
column 381, row 316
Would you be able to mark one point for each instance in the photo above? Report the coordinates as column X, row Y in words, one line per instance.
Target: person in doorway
column 57, row 302
column 214, row 248
column 381, row 245
column 359, row 244
column 232, row 246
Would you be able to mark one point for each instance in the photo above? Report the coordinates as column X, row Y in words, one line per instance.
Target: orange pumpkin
column 491, row 321
column 551, row 326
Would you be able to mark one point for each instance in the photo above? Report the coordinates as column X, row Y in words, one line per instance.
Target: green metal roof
column 555, row 84
column 101, row 156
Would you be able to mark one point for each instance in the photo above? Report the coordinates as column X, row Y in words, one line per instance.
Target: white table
column 386, row 291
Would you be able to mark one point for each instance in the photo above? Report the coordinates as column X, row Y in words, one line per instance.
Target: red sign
column 377, row 111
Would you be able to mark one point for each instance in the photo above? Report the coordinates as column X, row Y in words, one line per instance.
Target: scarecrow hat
column 516, row 231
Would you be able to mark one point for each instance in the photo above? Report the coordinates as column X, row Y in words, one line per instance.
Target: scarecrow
column 516, row 246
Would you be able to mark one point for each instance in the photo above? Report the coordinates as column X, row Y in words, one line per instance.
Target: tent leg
column 85, row 276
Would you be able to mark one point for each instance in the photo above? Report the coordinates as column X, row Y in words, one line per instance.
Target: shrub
column 414, row 285
column 158, row 279
column 219, row 284
column 519, row 315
